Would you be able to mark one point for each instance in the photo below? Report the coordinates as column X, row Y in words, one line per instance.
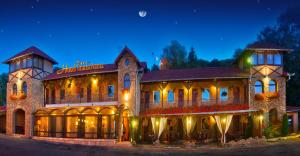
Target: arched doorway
column 273, row 116
column 20, row 121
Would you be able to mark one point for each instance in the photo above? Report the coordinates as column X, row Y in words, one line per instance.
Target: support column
column 64, row 126
column 120, row 123
column 99, row 126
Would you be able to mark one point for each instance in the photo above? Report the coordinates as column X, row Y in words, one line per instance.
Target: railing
column 190, row 106
column 85, row 99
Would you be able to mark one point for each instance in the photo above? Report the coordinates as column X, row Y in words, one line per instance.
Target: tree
column 3, row 82
column 192, row 59
column 154, row 67
column 285, row 125
column 286, row 33
column 175, row 54
column 249, row 128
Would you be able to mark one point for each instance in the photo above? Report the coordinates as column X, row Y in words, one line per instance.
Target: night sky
column 96, row 30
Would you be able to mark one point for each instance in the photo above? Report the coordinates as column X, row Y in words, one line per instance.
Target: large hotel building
column 123, row 101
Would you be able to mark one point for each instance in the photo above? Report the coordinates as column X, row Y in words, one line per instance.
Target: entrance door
column 20, row 122
column 194, row 97
column 147, row 100
column 236, row 95
column 180, row 97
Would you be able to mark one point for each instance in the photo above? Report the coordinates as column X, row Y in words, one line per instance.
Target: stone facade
column 34, row 99
column 267, row 101
column 132, row 69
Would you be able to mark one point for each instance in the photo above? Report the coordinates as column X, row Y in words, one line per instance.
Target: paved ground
column 11, row 146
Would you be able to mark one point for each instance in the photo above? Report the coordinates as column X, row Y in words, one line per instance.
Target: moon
column 143, row 13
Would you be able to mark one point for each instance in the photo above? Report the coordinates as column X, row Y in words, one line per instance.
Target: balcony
column 93, row 100
column 190, row 106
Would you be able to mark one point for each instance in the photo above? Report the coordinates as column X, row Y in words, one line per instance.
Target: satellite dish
column 142, row 13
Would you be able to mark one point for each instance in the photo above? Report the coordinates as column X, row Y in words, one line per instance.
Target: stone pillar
column 120, row 124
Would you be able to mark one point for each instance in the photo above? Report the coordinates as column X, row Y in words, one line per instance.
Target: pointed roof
column 31, row 51
column 124, row 52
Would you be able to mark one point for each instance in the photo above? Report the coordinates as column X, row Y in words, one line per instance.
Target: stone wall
column 270, row 102
column 132, row 70
column 34, row 100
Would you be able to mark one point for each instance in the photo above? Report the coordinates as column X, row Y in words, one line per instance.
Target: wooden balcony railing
column 76, row 99
column 189, row 106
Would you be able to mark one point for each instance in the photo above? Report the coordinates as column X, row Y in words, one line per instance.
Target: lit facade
column 125, row 102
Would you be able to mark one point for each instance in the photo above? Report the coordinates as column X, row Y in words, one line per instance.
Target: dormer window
column 270, row 59
column 261, row 59
column 277, row 59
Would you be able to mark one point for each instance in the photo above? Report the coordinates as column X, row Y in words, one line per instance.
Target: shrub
column 249, row 128
column 285, row 125
column 271, row 132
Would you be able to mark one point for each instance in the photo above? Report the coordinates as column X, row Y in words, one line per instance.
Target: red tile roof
column 31, row 51
column 107, row 68
column 292, row 109
column 194, row 74
column 266, row 46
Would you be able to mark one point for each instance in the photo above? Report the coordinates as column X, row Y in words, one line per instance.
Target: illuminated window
column 277, row 59
column 272, row 86
column 156, row 97
column 170, row 96
column 15, row 89
column 126, row 81
column 205, row 94
column 24, row 88
column 270, row 59
column 224, row 94
column 110, row 91
column 261, row 59
column 254, row 59
column 258, row 87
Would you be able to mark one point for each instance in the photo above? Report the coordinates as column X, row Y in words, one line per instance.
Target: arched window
column 272, row 86
column 15, row 89
column 126, row 81
column 24, row 88
column 258, row 87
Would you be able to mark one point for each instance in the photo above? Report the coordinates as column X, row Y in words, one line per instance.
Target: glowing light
column 95, row 81
column 112, row 112
column 261, row 117
column 134, row 123
column 249, row 60
column 223, row 120
column 189, row 122
column 156, row 123
column 126, row 96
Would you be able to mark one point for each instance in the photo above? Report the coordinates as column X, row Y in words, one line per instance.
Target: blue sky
column 97, row 30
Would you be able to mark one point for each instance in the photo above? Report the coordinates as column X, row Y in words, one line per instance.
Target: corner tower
column 130, row 71
column 25, row 89
column 267, row 81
